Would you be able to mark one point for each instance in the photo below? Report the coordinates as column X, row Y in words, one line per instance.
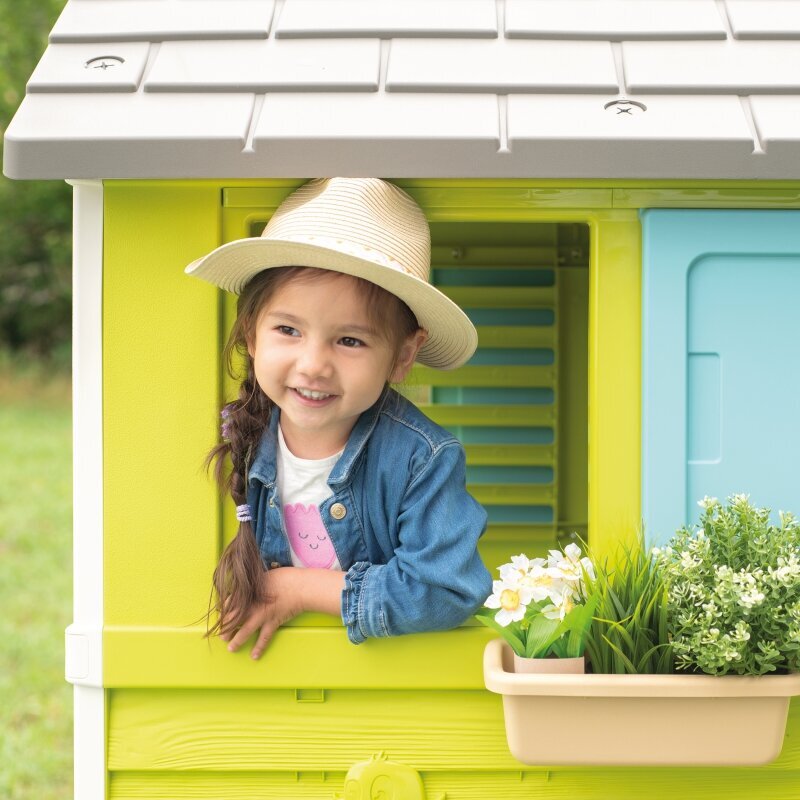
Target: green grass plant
column 629, row 633
column 35, row 581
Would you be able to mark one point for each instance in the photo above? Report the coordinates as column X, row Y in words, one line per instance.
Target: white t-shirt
column 303, row 486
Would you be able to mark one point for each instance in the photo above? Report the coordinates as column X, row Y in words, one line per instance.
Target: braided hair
column 237, row 581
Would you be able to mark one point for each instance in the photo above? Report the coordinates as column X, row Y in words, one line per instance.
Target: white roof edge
column 525, row 88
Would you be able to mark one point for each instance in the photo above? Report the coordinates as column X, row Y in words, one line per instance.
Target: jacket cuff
column 352, row 597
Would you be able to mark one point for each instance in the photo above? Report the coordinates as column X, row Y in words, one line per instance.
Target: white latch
column 83, row 656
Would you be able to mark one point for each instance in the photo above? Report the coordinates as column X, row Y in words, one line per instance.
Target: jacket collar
column 264, row 467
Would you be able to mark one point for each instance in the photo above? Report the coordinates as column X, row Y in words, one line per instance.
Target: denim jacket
column 408, row 535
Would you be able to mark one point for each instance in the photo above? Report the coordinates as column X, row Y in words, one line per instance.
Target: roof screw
column 457, row 253
column 623, row 106
column 103, row 62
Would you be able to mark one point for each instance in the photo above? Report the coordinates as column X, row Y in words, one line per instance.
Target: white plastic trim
column 84, row 650
column 90, row 743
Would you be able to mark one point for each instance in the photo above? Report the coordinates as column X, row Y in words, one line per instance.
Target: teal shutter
column 721, row 404
column 505, row 404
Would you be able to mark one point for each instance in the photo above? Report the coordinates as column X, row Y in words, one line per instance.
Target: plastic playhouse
column 613, row 189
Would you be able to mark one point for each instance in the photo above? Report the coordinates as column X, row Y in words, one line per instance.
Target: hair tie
column 225, row 413
column 243, row 513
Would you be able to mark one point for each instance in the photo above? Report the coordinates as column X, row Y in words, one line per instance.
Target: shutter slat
column 508, row 455
column 513, row 494
column 500, row 376
column 514, row 416
column 517, row 337
column 501, row 296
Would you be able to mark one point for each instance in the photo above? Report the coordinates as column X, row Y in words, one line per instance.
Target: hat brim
column 452, row 338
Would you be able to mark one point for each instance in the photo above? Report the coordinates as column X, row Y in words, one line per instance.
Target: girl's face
column 318, row 357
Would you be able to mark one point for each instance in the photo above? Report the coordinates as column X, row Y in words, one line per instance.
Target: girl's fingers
column 263, row 640
column 242, row 635
column 226, row 637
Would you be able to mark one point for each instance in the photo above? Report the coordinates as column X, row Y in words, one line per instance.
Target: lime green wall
column 187, row 719
column 160, row 390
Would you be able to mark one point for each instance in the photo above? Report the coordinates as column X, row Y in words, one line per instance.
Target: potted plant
column 734, row 591
column 728, row 597
column 541, row 608
column 630, row 632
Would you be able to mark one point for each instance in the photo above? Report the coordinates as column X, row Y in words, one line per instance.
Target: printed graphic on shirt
column 307, row 535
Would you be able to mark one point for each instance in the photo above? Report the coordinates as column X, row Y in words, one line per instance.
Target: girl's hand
column 283, row 589
column 291, row 591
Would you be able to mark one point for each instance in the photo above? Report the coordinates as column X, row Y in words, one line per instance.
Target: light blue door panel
column 721, row 375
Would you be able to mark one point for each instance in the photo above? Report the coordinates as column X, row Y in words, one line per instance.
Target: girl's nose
column 314, row 359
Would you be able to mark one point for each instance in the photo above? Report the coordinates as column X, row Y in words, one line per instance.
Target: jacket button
column 338, row 511
column 273, row 565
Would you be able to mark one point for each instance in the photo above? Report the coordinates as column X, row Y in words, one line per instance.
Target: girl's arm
column 291, row 591
column 436, row 578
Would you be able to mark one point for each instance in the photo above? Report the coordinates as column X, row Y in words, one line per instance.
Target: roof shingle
column 437, row 88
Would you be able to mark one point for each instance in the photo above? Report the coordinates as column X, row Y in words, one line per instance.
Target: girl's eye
column 287, row 330
column 351, row 341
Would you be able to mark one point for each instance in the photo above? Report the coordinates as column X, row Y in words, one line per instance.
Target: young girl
column 350, row 500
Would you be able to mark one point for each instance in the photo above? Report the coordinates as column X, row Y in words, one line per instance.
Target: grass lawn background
column 35, row 581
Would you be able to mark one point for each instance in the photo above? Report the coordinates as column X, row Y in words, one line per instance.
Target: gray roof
column 408, row 88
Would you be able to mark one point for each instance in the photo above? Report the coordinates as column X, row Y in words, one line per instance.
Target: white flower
column 511, row 598
column 521, row 562
column 572, row 552
column 787, row 571
column 688, row 561
column 570, row 564
column 518, row 568
column 751, row 598
column 708, row 502
column 740, row 499
column 543, row 582
column 560, row 609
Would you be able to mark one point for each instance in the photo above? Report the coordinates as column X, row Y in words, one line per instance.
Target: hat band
column 346, row 247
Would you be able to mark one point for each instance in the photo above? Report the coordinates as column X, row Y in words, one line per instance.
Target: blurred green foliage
column 35, row 216
column 35, row 581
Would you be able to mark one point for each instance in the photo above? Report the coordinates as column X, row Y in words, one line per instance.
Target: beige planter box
column 624, row 720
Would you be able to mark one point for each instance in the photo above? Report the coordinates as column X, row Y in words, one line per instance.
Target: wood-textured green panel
column 270, row 729
column 437, row 733
column 527, row 784
column 160, row 394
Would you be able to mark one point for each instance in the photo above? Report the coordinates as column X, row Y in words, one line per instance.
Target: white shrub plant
column 734, row 590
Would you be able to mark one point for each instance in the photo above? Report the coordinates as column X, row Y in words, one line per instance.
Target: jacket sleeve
column 436, row 579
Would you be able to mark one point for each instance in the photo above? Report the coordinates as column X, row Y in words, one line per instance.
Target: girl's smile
column 309, row 394
column 319, row 358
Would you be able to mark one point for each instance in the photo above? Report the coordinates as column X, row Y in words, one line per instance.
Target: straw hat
column 364, row 227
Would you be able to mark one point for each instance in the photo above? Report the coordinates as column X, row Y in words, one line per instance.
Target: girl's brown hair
column 238, row 579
